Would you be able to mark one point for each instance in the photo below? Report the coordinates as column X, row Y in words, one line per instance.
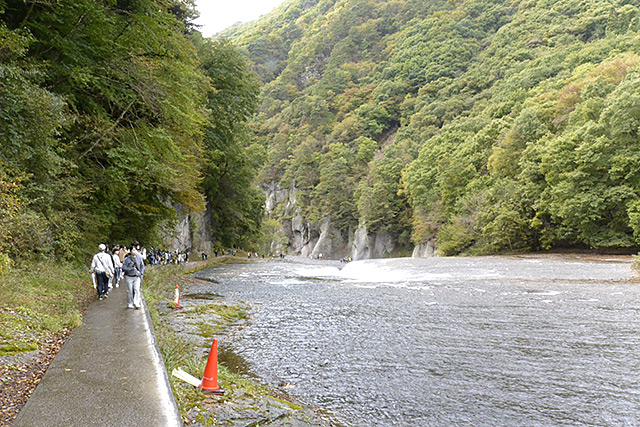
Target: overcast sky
column 216, row 15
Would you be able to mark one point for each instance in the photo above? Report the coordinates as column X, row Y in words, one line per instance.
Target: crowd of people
column 110, row 266
column 162, row 257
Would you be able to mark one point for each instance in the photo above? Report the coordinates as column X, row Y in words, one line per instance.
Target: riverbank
column 36, row 320
column 185, row 338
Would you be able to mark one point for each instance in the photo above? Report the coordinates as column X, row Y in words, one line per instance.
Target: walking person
column 113, row 268
column 122, row 253
column 101, row 266
column 118, row 266
column 133, row 268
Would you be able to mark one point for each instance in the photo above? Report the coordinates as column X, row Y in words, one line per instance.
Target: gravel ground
column 21, row 374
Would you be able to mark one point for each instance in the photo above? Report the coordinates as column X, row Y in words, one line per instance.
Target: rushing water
column 532, row 340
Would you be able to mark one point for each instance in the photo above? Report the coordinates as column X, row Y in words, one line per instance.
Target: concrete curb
column 173, row 413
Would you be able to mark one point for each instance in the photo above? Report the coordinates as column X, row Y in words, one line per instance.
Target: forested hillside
column 481, row 125
column 113, row 114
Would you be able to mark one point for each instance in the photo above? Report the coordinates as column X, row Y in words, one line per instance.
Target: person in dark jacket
column 133, row 268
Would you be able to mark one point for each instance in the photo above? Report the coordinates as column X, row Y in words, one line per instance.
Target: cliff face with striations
column 191, row 233
column 301, row 237
column 372, row 245
column 424, row 250
column 323, row 240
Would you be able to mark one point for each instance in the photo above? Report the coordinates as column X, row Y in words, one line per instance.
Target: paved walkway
column 108, row 373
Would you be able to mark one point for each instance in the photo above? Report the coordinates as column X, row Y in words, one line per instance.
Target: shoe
column 100, row 298
column 129, row 306
column 137, row 307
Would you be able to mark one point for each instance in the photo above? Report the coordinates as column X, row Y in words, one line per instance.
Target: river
column 483, row 341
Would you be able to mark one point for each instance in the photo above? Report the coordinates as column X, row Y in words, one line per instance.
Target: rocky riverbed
column 246, row 401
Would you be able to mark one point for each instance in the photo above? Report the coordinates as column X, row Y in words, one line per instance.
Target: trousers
column 134, row 298
column 102, row 283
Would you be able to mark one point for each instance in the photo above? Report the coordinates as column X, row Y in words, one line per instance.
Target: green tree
column 232, row 162
column 518, row 117
column 33, row 171
column 333, row 196
column 116, row 134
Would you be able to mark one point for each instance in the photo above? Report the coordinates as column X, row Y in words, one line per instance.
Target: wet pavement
column 108, row 373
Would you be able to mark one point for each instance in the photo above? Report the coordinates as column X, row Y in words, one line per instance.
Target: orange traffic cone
column 209, row 383
column 176, row 297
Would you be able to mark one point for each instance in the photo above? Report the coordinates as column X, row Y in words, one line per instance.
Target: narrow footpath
column 108, row 373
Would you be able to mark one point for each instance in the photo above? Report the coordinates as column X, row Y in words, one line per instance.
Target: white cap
column 102, row 247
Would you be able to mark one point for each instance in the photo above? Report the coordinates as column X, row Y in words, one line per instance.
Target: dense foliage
column 106, row 109
column 486, row 125
column 232, row 162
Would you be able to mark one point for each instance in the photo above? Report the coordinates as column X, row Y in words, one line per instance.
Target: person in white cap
column 102, row 266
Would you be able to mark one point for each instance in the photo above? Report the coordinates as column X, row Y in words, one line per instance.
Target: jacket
column 116, row 261
column 133, row 265
column 102, row 263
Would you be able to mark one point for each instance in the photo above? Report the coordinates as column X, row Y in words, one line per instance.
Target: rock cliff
column 192, row 232
column 323, row 240
column 424, row 250
column 375, row 245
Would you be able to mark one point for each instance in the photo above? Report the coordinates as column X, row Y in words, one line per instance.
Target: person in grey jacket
column 133, row 268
